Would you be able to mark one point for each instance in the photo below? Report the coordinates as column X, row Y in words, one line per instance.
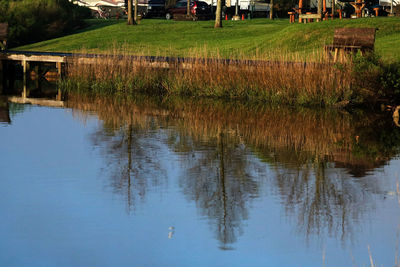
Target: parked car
column 198, row 9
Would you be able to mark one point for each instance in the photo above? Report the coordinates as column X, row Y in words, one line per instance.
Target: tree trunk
column 136, row 12
column 271, row 9
column 218, row 15
column 130, row 18
column 391, row 7
column 319, row 7
column 188, row 8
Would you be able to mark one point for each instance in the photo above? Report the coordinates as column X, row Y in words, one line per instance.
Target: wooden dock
column 36, row 101
column 25, row 58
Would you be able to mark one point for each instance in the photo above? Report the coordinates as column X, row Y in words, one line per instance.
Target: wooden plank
column 355, row 38
column 35, row 101
column 310, row 16
column 355, row 30
column 364, row 37
column 36, row 58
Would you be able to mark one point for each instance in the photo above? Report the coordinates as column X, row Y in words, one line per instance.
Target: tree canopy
column 32, row 21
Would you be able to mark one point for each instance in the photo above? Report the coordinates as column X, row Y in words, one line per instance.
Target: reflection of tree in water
column 219, row 181
column 131, row 153
column 323, row 199
column 303, row 148
column 330, row 192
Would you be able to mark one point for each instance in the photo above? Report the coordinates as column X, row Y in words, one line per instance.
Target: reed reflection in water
column 315, row 161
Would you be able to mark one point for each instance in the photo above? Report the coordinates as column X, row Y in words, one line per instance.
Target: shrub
column 376, row 80
column 32, row 21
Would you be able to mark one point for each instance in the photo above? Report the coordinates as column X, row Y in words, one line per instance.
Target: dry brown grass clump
column 281, row 81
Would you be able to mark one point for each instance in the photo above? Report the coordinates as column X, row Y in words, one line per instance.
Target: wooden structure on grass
column 359, row 6
column 350, row 41
column 305, row 16
column 309, row 17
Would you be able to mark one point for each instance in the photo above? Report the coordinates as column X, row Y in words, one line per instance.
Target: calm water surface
column 148, row 183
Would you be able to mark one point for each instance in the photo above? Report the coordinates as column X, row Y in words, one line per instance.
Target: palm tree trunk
column 218, row 15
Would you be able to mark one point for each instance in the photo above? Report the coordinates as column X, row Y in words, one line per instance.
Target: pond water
column 185, row 183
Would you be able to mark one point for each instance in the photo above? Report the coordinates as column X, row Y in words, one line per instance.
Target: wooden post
column 376, row 9
column 59, row 70
column 25, row 68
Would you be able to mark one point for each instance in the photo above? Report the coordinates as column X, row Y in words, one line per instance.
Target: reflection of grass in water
column 305, row 135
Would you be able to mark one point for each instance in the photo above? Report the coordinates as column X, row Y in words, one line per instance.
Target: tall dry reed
column 287, row 80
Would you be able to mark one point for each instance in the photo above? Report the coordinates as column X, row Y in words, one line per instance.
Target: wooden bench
column 351, row 40
column 3, row 35
column 309, row 17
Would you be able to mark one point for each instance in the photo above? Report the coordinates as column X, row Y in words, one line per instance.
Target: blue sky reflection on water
column 65, row 201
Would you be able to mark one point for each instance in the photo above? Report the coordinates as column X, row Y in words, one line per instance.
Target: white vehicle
column 256, row 8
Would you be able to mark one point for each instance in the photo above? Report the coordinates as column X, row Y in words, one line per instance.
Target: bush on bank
column 376, row 80
column 33, row 21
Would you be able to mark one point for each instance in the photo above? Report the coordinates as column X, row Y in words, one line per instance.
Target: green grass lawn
column 260, row 38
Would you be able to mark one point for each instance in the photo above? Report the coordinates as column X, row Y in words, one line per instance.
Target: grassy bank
column 365, row 81
column 257, row 38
